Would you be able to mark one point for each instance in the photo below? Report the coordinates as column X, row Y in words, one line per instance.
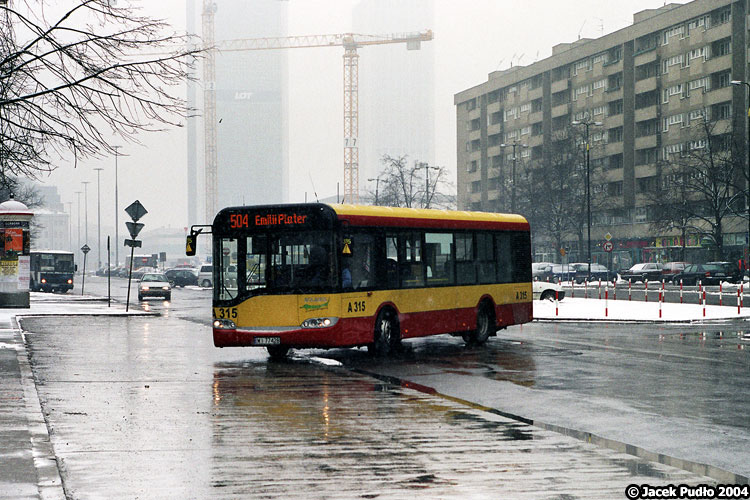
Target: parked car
column 542, row 271
column 598, row 272
column 669, row 269
column 154, row 285
column 206, row 275
column 182, row 276
column 543, row 290
column 645, row 271
column 563, row 272
column 710, row 273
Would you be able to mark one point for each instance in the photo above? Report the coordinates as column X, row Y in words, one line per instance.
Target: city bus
column 322, row 276
column 51, row 270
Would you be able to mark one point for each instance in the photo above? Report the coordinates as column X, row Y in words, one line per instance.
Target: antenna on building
column 499, row 64
column 580, row 30
column 511, row 59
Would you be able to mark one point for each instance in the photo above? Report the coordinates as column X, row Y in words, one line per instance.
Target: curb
column 49, row 480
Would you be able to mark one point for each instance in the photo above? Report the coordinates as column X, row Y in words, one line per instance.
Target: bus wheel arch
column 386, row 336
column 486, row 324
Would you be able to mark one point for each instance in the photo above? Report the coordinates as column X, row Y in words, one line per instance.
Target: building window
column 614, row 134
column 697, row 114
column 615, row 108
column 641, row 214
column 600, row 84
column 471, row 166
column 614, row 161
column 646, row 128
column 673, row 149
column 536, row 129
column 672, row 61
column 699, row 83
column 525, row 108
column 646, row 184
column 476, row 186
column 673, row 90
column 646, row 99
column 646, row 71
column 721, row 79
column 647, row 156
column 614, row 188
column 598, row 110
column 582, row 90
column 672, row 120
column 673, row 31
column 721, row 47
column 526, row 130
column 721, row 111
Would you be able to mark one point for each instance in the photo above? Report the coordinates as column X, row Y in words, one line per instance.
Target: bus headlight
column 319, row 322
column 70, row 282
column 44, row 280
column 144, row 288
column 224, row 324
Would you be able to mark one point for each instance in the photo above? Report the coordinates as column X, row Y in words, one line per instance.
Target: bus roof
column 428, row 217
column 377, row 216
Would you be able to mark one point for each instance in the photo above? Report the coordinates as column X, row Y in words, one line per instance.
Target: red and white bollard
column 680, row 291
column 720, row 294
column 556, row 304
column 645, row 282
column 586, row 289
column 742, row 295
column 630, row 289
column 704, row 303
column 600, row 289
column 738, row 301
column 661, row 296
column 606, row 300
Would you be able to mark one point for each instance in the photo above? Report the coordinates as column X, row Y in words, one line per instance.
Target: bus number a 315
column 226, row 313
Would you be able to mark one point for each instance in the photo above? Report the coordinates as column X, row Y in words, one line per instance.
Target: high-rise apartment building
column 649, row 85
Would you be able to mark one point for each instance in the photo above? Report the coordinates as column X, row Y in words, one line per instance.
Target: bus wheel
column 386, row 337
column 485, row 326
column 277, row 352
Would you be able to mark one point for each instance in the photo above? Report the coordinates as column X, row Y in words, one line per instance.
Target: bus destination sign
column 237, row 221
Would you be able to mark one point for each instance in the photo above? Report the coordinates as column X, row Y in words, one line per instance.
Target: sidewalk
column 28, row 469
column 595, row 309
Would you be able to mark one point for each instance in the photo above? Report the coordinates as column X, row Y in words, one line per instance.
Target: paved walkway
column 28, row 469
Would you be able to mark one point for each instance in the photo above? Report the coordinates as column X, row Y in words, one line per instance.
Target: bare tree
column 699, row 188
column 74, row 73
column 405, row 185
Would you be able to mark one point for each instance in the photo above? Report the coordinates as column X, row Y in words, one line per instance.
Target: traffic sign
column 608, row 246
column 135, row 210
column 607, row 236
column 134, row 228
column 133, row 243
column 85, row 248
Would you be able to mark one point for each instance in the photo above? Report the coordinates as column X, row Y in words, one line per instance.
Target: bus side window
column 504, row 258
column 466, row 272
column 486, row 258
column 438, row 248
column 392, row 267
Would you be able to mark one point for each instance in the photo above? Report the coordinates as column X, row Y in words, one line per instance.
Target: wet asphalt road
column 148, row 408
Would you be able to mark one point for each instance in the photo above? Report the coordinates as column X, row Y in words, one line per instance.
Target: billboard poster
column 24, row 272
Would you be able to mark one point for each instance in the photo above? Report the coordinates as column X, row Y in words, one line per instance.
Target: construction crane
column 350, row 41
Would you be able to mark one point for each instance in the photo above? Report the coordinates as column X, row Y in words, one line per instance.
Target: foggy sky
column 469, row 43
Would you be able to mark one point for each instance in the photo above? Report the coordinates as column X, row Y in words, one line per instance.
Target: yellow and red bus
column 321, row 276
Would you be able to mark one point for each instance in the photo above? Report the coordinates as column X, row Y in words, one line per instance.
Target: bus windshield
column 56, row 263
column 275, row 263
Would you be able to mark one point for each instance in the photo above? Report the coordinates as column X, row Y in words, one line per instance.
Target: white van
column 206, row 275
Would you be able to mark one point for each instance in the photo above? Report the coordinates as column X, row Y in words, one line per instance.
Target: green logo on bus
column 318, row 303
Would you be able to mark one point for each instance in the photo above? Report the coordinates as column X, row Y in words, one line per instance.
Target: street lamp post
column 427, row 169
column 98, row 218
column 377, row 184
column 586, row 122
column 747, row 196
column 117, row 223
column 86, row 210
column 515, row 145
column 79, row 193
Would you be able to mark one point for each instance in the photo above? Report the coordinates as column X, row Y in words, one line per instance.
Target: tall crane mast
column 349, row 41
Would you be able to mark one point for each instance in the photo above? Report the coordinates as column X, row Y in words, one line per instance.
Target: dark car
column 671, row 268
column 542, row 271
column 598, row 272
column 645, row 271
column 563, row 272
column 710, row 273
column 182, row 276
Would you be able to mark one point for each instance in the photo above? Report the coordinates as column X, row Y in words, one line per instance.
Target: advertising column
column 15, row 220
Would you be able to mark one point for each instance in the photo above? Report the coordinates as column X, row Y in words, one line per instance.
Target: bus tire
column 205, row 283
column 277, row 352
column 485, row 326
column 386, row 335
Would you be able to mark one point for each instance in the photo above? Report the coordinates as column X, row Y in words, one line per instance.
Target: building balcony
column 614, row 121
column 645, row 113
column 535, row 93
column 645, row 85
column 535, row 117
column 645, row 56
column 717, row 32
column 718, row 64
column 646, row 142
column 560, row 85
column 719, row 95
column 562, row 109
column 493, row 107
column 613, row 148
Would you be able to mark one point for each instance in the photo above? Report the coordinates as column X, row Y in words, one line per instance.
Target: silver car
column 154, row 285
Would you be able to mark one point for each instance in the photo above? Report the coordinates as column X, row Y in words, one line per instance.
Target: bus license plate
column 267, row 340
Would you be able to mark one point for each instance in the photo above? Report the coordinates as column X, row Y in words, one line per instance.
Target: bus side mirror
column 76, row 268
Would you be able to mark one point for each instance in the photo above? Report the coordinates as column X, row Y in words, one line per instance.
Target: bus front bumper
column 351, row 332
